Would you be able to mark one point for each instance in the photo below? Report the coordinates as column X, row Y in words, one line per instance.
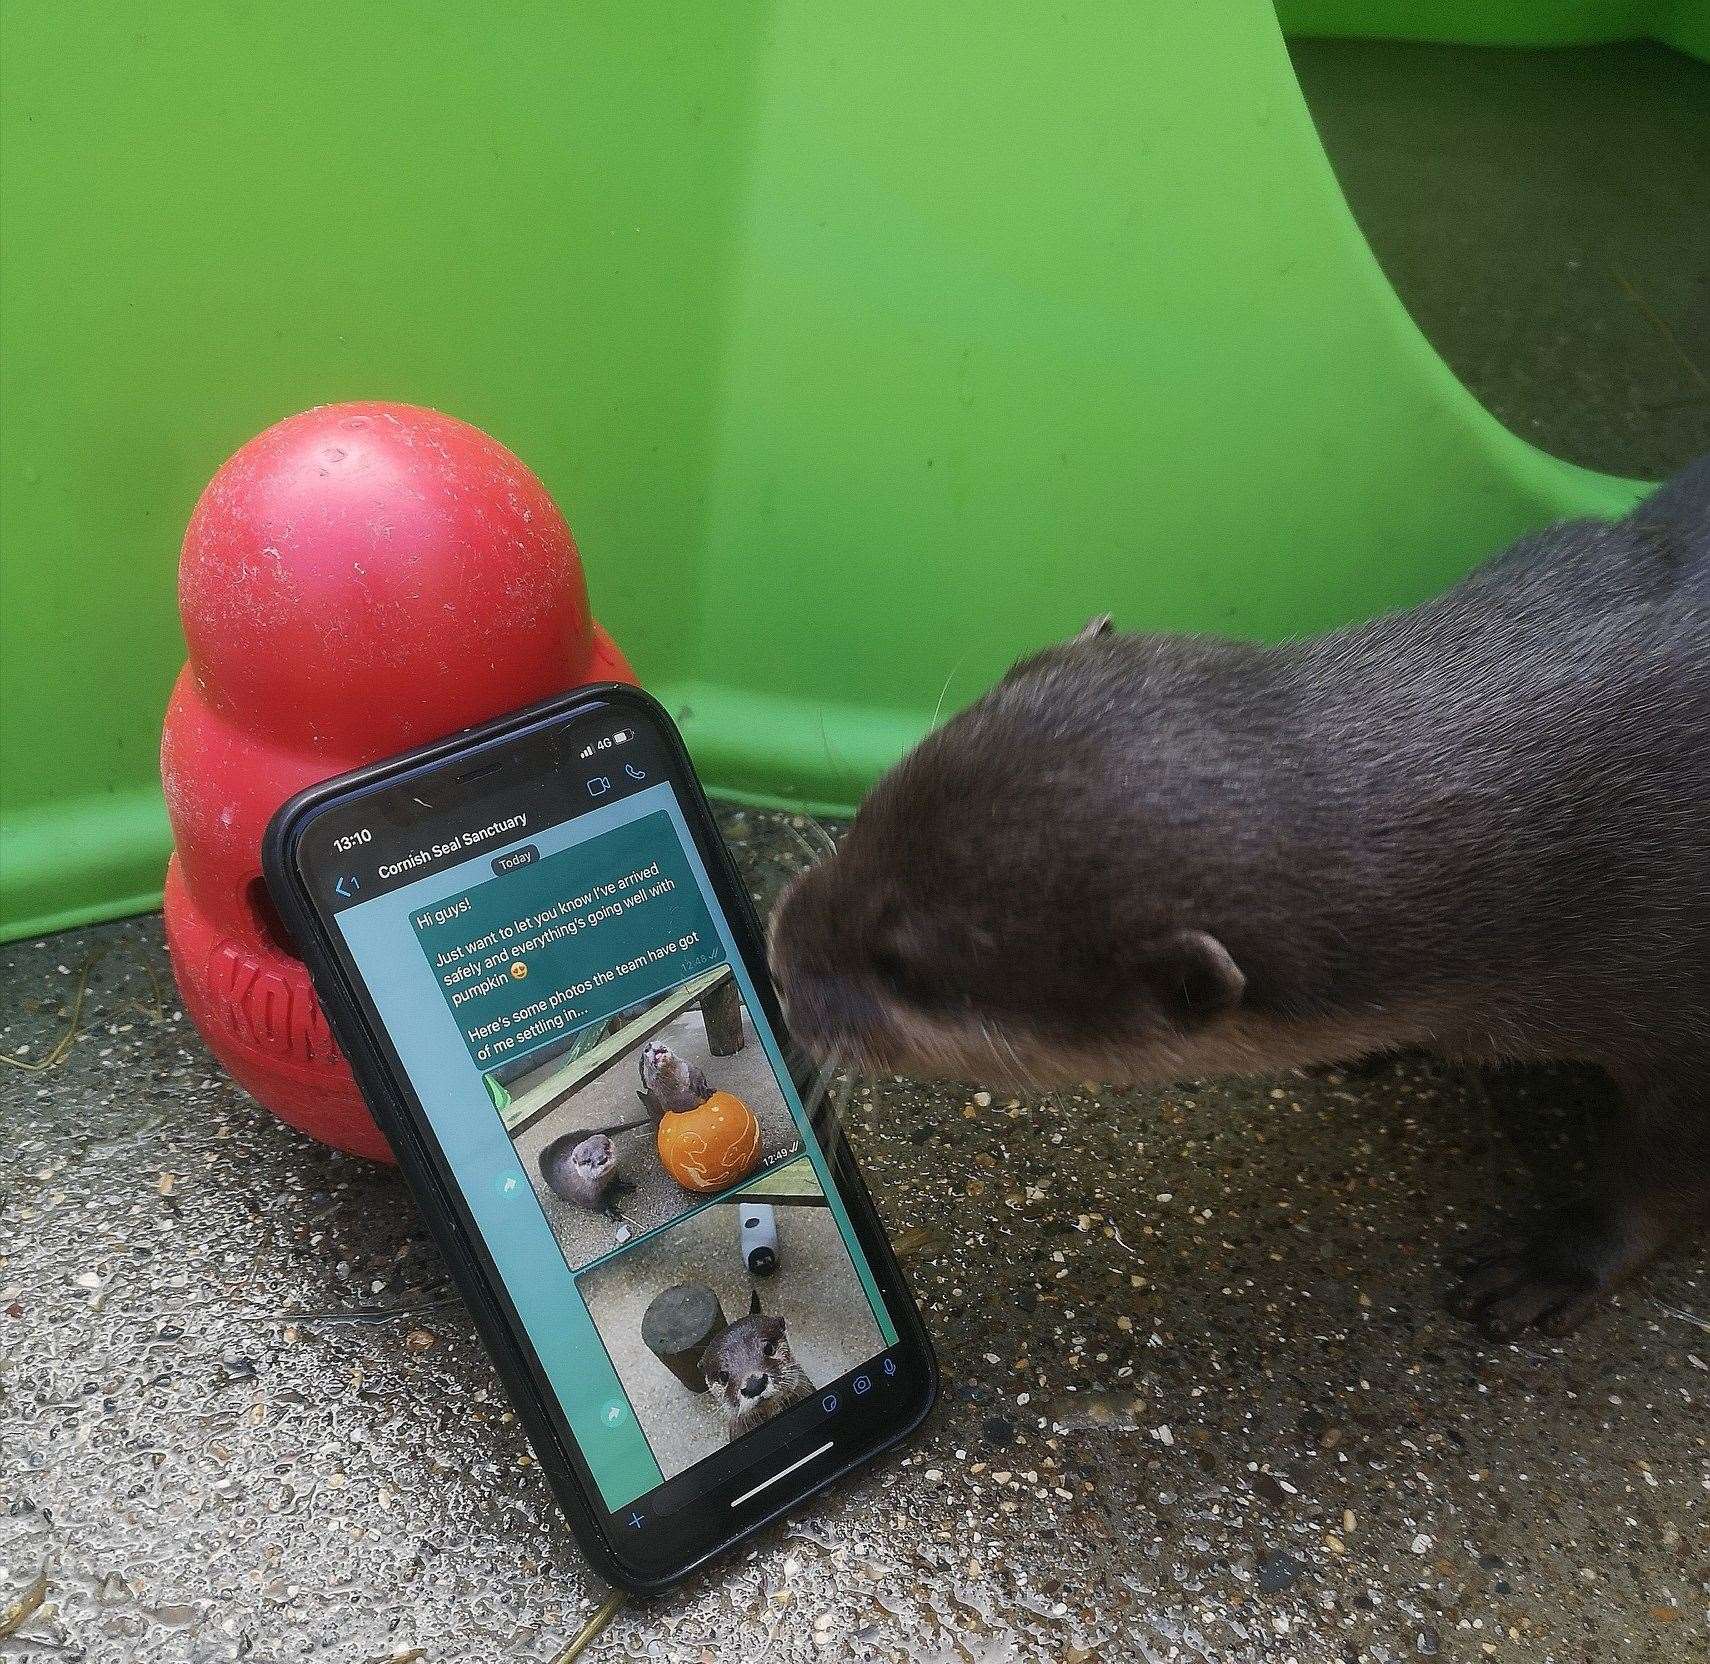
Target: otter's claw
column 1552, row 1278
column 1514, row 1291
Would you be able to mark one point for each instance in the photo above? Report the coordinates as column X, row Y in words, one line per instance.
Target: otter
column 751, row 1371
column 1480, row 826
column 580, row 1167
column 669, row 1083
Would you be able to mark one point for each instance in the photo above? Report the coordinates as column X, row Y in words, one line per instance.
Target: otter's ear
column 1192, row 976
column 1094, row 628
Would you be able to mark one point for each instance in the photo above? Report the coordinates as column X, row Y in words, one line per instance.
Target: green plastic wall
column 865, row 347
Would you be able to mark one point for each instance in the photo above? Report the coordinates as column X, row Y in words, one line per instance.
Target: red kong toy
column 355, row 581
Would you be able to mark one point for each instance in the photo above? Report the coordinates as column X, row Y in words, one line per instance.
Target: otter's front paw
column 1551, row 1278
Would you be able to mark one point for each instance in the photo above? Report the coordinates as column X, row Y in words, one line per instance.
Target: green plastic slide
column 865, row 347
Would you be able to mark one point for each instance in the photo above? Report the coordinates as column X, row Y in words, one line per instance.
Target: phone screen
column 545, row 952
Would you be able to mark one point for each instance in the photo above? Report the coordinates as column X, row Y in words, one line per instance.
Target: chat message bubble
column 565, row 941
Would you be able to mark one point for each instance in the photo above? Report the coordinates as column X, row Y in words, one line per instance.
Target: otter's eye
column 771, row 1349
column 890, row 969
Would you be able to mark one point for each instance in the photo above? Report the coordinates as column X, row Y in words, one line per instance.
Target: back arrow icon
column 339, row 886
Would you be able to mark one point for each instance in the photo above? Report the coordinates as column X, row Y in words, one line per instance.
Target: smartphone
column 533, row 947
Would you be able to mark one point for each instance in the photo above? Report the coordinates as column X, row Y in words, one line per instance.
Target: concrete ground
column 815, row 1290
column 653, row 1197
column 1546, row 218
column 1201, row 1402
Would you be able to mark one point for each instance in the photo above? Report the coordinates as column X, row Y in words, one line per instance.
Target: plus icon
column 635, row 1521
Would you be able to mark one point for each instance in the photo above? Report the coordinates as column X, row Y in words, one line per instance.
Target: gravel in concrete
column 1200, row 1399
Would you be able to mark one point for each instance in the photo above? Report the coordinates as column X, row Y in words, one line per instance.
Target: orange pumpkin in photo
column 707, row 1148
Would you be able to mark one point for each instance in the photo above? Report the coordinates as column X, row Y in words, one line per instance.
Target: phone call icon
column 633, row 772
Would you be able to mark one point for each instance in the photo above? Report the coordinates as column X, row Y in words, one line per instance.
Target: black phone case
column 441, row 1207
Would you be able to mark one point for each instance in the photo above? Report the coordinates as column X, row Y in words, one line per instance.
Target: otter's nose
column 753, row 1386
column 830, row 1013
column 809, row 999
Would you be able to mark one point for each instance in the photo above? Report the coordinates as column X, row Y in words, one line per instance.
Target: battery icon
column 622, row 735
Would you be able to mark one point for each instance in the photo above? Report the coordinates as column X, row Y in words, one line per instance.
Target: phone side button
column 800, row 1462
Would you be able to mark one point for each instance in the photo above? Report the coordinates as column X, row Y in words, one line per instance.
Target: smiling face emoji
column 518, row 971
